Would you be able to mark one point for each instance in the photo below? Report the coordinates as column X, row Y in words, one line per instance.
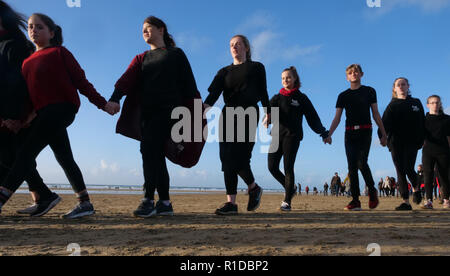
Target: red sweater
column 53, row 76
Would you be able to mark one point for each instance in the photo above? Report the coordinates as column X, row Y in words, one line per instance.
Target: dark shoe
column 29, row 210
column 164, row 210
column 428, row 205
column 417, row 197
column 146, row 209
column 373, row 200
column 285, row 207
column 355, row 205
column 404, row 207
column 83, row 209
column 228, row 209
column 254, row 198
column 44, row 206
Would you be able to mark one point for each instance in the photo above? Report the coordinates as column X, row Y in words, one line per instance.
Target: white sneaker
column 285, row 207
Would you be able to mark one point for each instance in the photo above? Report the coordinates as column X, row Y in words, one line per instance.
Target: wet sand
column 317, row 226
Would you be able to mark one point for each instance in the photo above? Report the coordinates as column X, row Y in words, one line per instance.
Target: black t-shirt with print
column 357, row 104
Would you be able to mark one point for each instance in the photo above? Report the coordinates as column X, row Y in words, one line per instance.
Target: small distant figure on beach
column 307, row 190
column 325, row 189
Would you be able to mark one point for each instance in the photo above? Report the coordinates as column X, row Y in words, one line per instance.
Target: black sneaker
column 44, row 206
column 228, row 209
column 146, row 209
column 164, row 210
column 417, row 197
column 254, row 198
column 83, row 209
column 404, row 207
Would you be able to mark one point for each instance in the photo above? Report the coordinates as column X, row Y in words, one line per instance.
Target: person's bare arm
column 377, row 118
column 334, row 125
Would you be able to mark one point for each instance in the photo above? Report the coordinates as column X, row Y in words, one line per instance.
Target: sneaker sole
column 354, row 209
column 259, row 202
column 84, row 214
column 227, row 214
column 152, row 214
column 50, row 206
column 25, row 212
column 165, row 214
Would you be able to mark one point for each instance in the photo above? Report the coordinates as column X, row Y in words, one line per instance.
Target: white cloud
column 270, row 44
column 191, row 42
column 428, row 6
column 104, row 166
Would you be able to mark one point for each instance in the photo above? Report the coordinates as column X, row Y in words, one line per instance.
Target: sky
column 401, row 38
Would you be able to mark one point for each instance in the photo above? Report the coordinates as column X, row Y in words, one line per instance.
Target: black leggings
column 288, row 148
column 357, row 148
column 156, row 128
column 404, row 157
column 49, row 128
column 9, row 144
column 231, row 179
column 442, row 161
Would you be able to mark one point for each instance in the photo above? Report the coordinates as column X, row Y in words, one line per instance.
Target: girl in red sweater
column 53, row 77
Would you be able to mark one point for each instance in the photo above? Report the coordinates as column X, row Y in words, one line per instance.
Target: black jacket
column 292, row 109
column 404, row 122
column 13, row 88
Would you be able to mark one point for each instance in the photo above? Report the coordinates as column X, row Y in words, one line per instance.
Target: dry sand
column 316, row 226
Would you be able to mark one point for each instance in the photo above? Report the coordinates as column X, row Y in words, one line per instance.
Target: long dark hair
column 57, row 40
column 13, row 22
column 155, row 21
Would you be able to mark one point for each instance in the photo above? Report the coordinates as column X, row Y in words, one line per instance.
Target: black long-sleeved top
column 437, row 129
column 404, row 122
column 163, row 77
column 13, row 88
column 242, row 85
column 292, row 109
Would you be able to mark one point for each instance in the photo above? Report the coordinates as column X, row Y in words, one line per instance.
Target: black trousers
column 231, row 179
column 288, row 148
column 404, row 157
column 357, row 148
column 48, row 129
column 156, row 128
column 431, row 159
column 9, row 144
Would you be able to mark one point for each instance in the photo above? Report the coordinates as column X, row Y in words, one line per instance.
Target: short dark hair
column 155, row 21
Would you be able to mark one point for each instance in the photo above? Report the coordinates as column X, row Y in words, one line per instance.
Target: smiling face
column 238, row 49
column 288, row 80
column 39, row 33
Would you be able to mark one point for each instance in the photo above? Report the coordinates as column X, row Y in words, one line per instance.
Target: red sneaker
column 373, row 201
column 355, row 205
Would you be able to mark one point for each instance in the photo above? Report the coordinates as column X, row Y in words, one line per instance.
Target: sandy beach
column 317, row 226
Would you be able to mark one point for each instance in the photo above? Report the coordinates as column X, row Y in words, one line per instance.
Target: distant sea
column 135, row 190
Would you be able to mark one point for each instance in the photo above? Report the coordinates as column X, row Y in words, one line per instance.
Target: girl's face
column 39, row 33
column 401, row 88
column 434, row 105
column 238, row 49
column 288, row 80
column 152, row 34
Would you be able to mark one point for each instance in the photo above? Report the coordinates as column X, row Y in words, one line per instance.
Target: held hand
column 112, row 108
column 328, row 140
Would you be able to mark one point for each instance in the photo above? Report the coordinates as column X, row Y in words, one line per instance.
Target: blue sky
column 401, row 38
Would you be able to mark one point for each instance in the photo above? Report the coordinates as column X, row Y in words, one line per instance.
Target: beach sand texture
column 317, row 226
